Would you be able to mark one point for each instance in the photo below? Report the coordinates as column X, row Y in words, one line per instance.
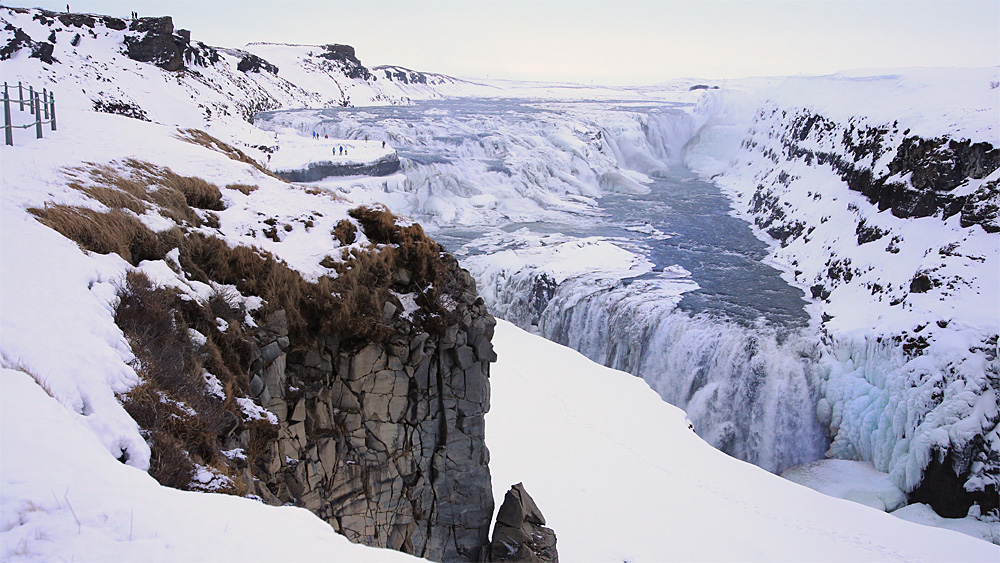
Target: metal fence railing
column 42, row 105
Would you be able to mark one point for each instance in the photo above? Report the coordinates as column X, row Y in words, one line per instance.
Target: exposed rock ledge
column 315, row 171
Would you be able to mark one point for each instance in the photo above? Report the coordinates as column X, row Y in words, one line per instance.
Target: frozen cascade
column 576, row 171
column 748, row 390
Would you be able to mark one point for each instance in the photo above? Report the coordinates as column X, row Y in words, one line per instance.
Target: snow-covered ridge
column 114, row 65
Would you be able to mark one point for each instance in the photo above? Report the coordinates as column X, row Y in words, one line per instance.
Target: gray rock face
column 385, row 442
column 520, row 533
column 316, row 171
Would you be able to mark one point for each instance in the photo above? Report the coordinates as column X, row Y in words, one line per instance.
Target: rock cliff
column 360, row 397
column 385, row 442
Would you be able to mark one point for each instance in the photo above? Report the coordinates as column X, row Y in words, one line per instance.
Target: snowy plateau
column 783, row 295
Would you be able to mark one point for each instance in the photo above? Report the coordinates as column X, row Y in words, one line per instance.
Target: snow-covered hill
column 115, row 65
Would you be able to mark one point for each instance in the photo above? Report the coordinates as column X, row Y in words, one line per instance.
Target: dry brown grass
column 313, row 190
column 345, row 232
column 245, row 189
column 136, row 185
column 114, row 231
column 170, row 404
column 18, row 365
column 184, row 423
column 351, row 305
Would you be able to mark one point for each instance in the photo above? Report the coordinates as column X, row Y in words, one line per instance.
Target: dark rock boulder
column 403, row 75
column 943, row 485
column 17, row 41
column 42, row 50
column 155, row 43
column 520, row 533
column 253, row 63
column 982, row 208
column 76, row 20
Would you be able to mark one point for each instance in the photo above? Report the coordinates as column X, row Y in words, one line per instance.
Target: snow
column 858, row 481
column 558, row 257
column 924, row 514
column 619, row 476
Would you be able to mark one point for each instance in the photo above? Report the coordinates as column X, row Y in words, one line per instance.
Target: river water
column 736, row 352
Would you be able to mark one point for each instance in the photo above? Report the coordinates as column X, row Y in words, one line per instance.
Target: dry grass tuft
column 171, row 404
column 137, row 185
column 18, row 365
column 345, row 232
column 114, row 231
column 245, row 189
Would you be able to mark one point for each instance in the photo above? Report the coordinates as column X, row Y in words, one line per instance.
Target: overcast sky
column 613, row 42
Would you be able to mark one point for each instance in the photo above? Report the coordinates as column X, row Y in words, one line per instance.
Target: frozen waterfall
column 705, row 323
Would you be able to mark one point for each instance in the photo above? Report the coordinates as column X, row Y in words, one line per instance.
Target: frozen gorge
column 785, row 333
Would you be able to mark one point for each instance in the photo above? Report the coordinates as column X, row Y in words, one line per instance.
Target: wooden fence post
column 8, row 131
column 38, row 117
column 52, row 101
column 31, row 99
column 20, row 95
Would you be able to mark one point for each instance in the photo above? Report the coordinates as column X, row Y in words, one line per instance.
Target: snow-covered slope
column 65, row 498
column 620, row 476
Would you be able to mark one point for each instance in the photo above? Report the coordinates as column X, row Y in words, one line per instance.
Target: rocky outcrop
column 520, row 533
column 382, row 437
column 41, row 50
column 360, row 397
column 404, row 75
column 948, row 461
column 253, row 63
column 316, row 171
column 349, row 62
column 155, row 43
column 922, row 178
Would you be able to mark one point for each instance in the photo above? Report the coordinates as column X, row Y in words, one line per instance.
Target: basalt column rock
column 520, row 533
column 385, row 439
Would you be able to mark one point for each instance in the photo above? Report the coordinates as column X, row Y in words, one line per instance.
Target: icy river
column 579, row 222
